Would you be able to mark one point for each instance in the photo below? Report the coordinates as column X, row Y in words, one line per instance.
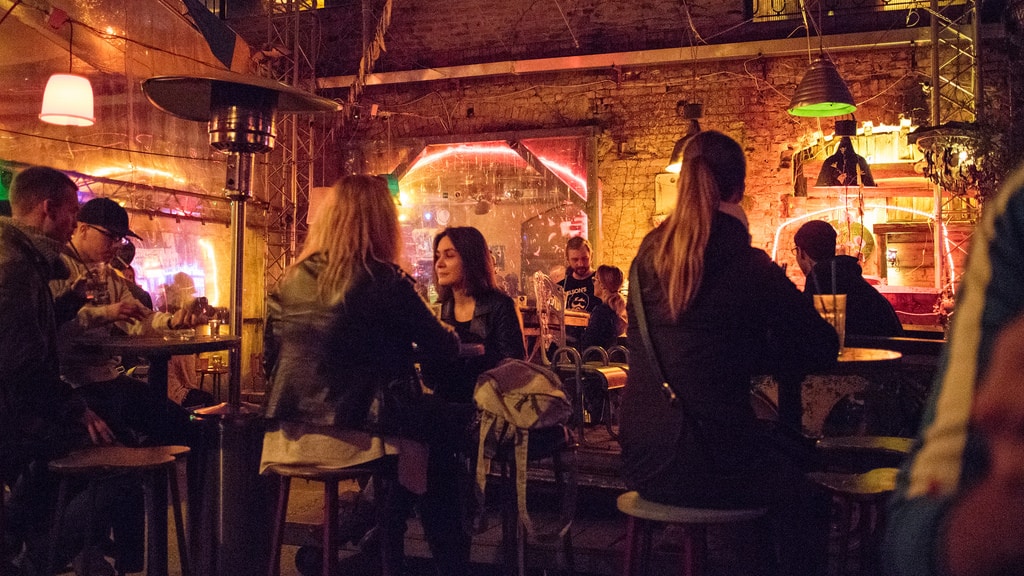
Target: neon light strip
column 809, row 215
column 498, row 150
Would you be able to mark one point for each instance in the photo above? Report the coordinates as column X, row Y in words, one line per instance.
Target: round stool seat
column 173, row 450
column 894, row 445
column 319, row 474
column 110, row 458
column 632, row 504
column 867, row 486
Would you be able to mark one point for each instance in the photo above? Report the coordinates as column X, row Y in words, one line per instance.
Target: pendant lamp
column 822, row 92
column 67, row 100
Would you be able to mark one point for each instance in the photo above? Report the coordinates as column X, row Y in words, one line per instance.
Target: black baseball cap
column 108, row 214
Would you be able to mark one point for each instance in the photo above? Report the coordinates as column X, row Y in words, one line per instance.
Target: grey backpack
column 513, row 398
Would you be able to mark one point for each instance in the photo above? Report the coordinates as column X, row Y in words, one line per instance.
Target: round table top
column 158, row 346
column 851, row 355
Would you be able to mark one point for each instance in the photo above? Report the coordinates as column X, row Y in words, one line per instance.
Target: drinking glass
column 96, row 292
column 832, row 308
column 214, row 326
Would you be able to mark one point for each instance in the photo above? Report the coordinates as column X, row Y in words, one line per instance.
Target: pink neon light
column 498, row 150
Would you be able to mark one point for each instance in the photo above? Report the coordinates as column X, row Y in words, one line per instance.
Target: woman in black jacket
column 341, row 328
column 479, row 311
column 719, row 311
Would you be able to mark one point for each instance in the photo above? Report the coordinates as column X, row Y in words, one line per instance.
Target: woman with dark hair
column 719, row 311
column 479, row 311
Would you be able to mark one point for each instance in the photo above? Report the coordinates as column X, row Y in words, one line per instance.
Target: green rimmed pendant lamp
column 822, row 92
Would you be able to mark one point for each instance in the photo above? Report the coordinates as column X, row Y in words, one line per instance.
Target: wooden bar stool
column 96, row 463
column 644, row 516
column 863, row 453
column 554, row 443
column 204, row 367
column 860, row 496
column 330, row 479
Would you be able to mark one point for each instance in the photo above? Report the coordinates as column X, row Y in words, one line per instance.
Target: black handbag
column 392, row 405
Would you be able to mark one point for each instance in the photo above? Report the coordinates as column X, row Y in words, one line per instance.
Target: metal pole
column 936, row 119
column 239, row 181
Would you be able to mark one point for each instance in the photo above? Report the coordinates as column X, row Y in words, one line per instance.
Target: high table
column 158, row 351
column 852, row 362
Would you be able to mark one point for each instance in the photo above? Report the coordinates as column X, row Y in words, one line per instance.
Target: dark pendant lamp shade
column 822, row 92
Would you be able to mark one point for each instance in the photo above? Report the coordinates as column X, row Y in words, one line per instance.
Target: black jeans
column 443, row 508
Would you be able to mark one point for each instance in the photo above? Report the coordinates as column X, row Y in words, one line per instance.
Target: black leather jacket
column 324, row 363
column 34, row 401
column 497, row 325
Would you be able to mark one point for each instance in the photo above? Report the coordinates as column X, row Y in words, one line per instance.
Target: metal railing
column 772, row 10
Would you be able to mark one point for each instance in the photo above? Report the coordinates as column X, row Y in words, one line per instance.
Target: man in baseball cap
column 109, row 216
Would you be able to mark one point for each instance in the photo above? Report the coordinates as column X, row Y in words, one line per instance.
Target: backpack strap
column 565, row 471
column 483, row 465
column 522, row 446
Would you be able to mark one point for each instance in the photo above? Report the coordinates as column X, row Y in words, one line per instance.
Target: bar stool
column 330, row 479
column 864, row 494
column 203, row 368
column 557, row 444
column 863, row 453
column 644, row 516
column 101, row 462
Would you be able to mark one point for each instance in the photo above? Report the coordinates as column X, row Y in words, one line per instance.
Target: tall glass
column 832, row 308
column 96, row 291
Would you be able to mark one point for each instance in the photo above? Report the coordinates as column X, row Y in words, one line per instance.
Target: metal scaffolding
column 293, row 40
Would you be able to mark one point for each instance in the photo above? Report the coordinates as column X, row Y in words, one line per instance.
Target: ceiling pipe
column 682, row 55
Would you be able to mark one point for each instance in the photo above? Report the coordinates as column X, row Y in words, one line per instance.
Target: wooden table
column 158, row 352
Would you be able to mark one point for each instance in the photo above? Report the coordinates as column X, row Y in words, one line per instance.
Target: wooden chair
column 612, row 375
column 330, row 479
column 645, row 516
column 861, row 497
column 156, row 465
column 550, row 315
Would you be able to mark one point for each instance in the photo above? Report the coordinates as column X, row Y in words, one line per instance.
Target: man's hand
column 125, row 312
column 184, row 318
column 99, row 432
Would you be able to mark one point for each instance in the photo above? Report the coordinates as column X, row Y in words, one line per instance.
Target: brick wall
column 636, row 112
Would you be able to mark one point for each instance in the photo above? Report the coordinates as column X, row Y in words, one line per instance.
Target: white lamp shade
column 67, row 101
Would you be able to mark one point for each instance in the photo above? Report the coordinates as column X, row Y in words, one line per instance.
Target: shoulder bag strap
column 641, row 324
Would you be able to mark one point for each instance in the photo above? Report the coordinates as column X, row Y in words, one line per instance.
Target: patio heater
column 241, row 113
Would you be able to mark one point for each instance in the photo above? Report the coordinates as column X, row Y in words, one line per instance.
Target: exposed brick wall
column 637, row 113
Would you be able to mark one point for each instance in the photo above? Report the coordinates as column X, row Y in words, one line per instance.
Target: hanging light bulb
column 67, row 100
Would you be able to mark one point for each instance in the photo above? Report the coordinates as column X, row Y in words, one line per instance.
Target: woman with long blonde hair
column 344, row 330
column 718, row 312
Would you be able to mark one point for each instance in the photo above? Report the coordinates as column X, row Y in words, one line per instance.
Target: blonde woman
column 341, row 330
column 718, row 312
